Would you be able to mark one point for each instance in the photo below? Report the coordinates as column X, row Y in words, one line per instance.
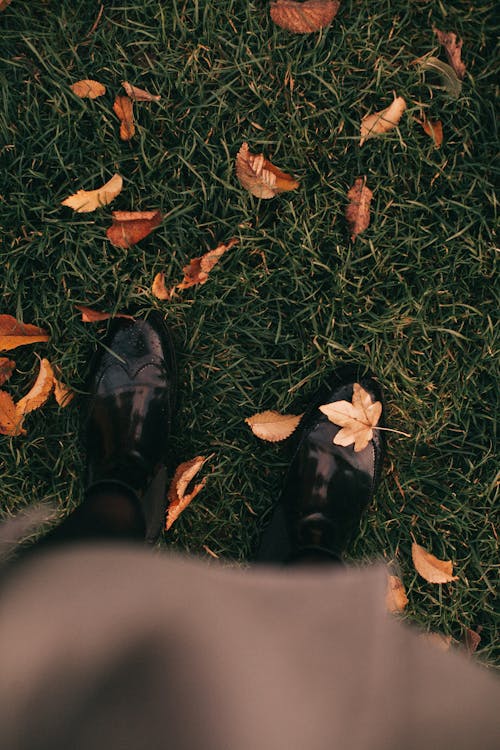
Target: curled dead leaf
column 159, row 289
column 93, row 316
column 273, row 426
column 39, row 392
column 261, row 178
column 85, row 201
column 88, row 89
column 381, row 122
column 198, row 269
column 139, row 95
column 124, row 110
column 430, row 568
column 357, row 212
column 453, row 48
column 357, row 419
column 10, row 423
column 178, row 496
column 7, row 367
column 129, row 227
column 14, row 334
column 395, row 598
column 433, row 128
column 304, row 17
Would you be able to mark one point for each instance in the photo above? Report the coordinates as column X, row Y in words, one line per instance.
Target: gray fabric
column 118, row 647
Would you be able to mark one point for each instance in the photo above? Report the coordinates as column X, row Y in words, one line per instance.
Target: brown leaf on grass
column 453, row 48
column 433, row 128
column 85, row 201
column 139, row 95
column 430, row 568
column 357, row 419
column 159, row 289
column 261, row 178
column 442, row 642
column 357, row 212
column 472, row 639
column 381, row 122
column 178, row 496
column 129, row 227
column 88, row 89
column 7, row 367
column 199, row 268
column 62, row 393
column 304, row 17
column 124, row 110
column 10, row 423
column 39, row 392
column 14, row 334
column 395, row 598
column 273, row 426
column 4, row 4
column 93, row 316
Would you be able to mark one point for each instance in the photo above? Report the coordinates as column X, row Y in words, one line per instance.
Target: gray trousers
column 117, row 647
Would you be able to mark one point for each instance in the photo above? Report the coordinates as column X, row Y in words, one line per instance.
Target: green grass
column 412, row 298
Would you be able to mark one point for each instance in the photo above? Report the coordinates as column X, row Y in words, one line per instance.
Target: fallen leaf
column 395, row 598
column 177, row 496
column 433, row 128
column 85, row 201
column 10, row 424
column 305, row 17
column 4, row 4
column 261, row 178
column 443, row 642
column 273, row 426
column 357, row 419
column 7, row 367
column 129, row 227
column 124, row 110
column 472, row 639
column 451, row 81
column 62, row 393
column 88, row 89
column 159, row 289
column 14, row 334
column 199, row 268
column 381, row 122
column 93, row 316
column 139, row 95
column 357, row 212
column 40, row 391
column 453, row 50
column 430, row 568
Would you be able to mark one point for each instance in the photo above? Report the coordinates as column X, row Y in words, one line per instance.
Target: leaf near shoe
column 85, row 201
column 430, row 568
column 304, row 17
column 357, row 419
column 381, row 122
column 94, row 316
column 395, row 598
column 261, row 178
column 39, row 392
column 178, row 496
column 273, row 426
column 14, row 334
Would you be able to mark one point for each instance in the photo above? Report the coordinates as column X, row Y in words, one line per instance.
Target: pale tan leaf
column 7, row 367
column 395, row 598
column 440, row 641
column 273, row 426
column 357, row 419
column 139, row 95
column 453, row 47
column 358, row 210
column 85, row 201
column 433, row 128
column 261, row 178
column 10, row 423
column 159, row 289
column 381, row 122
column 198, row 269
column 430, row 568
column 124, row 110
column 14, row 334
column 88, row 89
column 39, row 392
column 304, row 17
column 178, row 499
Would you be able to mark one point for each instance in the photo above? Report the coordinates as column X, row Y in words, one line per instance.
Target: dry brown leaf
column 139, row 95
column 395, row 598
column 273, row 426
column 433, row 128
column 62, row 393
column 124, row 110
column 381, row 122
column 357, row 419
column 453, row 48
column 430, row 568
column 10, row 423
column 40, row 391
column 443, row 642
column 4, row 4
column 85, row 201
column 129, row 227
column 472, row 639
column 261, row 178
column 159, row 289
column 357, row 212
column 199, row 268
column 177, row 496
column 7, row 367
column 304, row 17
column 88, row 89
column 14, row 334
column 93, row 316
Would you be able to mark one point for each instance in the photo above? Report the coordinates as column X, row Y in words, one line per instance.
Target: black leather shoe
column 132, row 388
column 328, row 486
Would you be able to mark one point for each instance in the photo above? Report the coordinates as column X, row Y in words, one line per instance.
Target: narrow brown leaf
column 85, row 201
column 304, row 17
column 139, row 95
column 129, row 227
column 261, row 178
column 472, row 639
column 395, row 599
column 62, row 393
column 198, row 269
column 7, row 367
column 433, row 128
column 178, row 497
column 273, row 426
column 159, row 289
column 88, row 89
column 381, row 122
column 430, row 568
column 14, row 334
column 4, row 4
column 453, row 48
column 93, row 316
column 124, row 110
column 357, row 419
column 39, row 392
column 10, row 424
column 357, row 212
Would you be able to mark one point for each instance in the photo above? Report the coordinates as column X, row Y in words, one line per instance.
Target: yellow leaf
column 380, row 122
column 395, row 599
column 273, row 426
column 430, row 568
column 260, row 177
column 139, row 95
column 88, row 88
column 358, row 210
column 357, row 419
column 39, row 393
column 177, row 496
column 304, row 17
column 85, row 201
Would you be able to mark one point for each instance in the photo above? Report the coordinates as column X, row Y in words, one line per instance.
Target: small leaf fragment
column 88, row 89
column 139, row 95
column 395, row 598
column 62, row 393
column 7, row 367
column 430, row 568
column 433, row 128
column 357, row 212
column 273, row 426
column 378, row 123
column 129, row 227
column 357, row 419
column 94, row 316
column 439, row 640
column 178, row 499
column 261, row 178
column 124, row 110
column 85, row 201
column 198, row 269
column 453, row 48
column 10, row 423
column 472, row 639
column 451, row 81
column 39, row 392
column 159, row 289
column 4, row 4
column 14, row 334
column 304, row 17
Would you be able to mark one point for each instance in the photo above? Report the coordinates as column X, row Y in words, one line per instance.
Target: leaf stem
column 388, row 429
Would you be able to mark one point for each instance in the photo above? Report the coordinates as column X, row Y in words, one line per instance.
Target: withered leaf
column 357, row 419
column 433, row 128
column 10, row 424
column 430, row 568
column 378, row 123
column 39, row 392
column 441, row 641
column 178, row 497
column 139, row 95
column 453, row 48
column 129, row 227
column 159, row 289
column 273, row 426
column 93, row 316
column 124, row 110
column 88, row 89
column 303, row 17
column 62, row 393
column 4, row 4
column 261, row 178
column 14, row 334
column 199, row 268
column 357, row 212
column 85, row 201
column 451, row 81
column 7, row 367
column 472, row 639
column 395, row 598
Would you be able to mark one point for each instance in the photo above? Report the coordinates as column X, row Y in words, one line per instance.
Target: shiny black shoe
column 328, row 486
column 132, row 399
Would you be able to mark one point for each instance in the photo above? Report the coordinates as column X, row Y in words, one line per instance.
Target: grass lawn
column 412, row 298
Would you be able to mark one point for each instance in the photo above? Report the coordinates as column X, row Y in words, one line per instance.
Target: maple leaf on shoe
column 357, row 419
